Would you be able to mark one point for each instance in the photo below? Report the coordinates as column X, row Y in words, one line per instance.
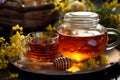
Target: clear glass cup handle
column 112, row 31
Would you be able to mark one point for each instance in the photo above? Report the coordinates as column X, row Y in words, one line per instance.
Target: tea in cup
column 41, row 46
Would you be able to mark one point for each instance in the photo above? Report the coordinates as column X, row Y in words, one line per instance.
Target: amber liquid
column 82, row 47
column 42, row 51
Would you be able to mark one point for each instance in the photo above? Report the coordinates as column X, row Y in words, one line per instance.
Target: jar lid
column 82, row 18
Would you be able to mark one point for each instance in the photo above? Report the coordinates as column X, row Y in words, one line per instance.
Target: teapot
column 82, row 37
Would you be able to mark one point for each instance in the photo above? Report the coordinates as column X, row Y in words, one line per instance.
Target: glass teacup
column 41, row 46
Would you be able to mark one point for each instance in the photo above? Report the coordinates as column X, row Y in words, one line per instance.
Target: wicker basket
column 33, row 18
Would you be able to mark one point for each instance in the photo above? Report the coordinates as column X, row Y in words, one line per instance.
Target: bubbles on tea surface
column 49, row 42
column 37, row 41
column 43, row 41
column 81, row 33
column 85, row 33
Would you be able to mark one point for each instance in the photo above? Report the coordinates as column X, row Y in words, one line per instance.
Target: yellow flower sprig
column 15, row 40
column 12, row 49
column 51, row 28
column 89, row 6
column 69, row 5
column 108, row 12
column 111, row 4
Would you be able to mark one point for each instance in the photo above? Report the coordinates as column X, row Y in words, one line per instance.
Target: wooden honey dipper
column 60, row 63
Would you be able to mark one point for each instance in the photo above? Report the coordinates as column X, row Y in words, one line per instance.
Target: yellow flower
column 51, row 28
column 13, row 45
column 17, row 27
column 21, row 28
column 2, row 39
column 106, row 5
column 2, row 52
column 114, row 3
